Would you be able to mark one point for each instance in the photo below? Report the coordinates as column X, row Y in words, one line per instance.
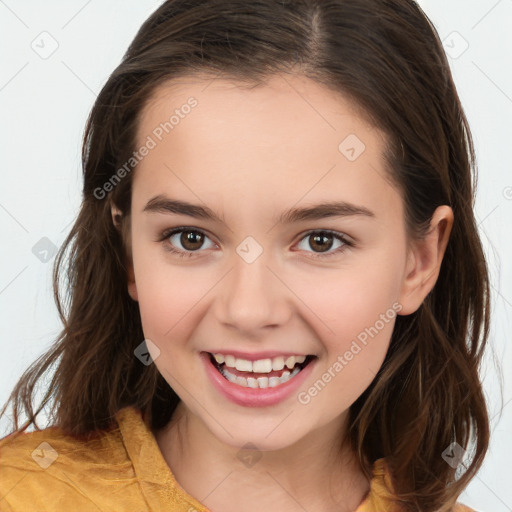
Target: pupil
column 320, row 240
column 191, row 238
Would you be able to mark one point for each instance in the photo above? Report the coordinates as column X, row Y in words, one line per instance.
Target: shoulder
column 45, row 447
column 459, row 507
column 382, row 498
column 51, row 470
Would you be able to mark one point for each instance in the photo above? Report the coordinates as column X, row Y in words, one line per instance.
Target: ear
column 424, row 261
column 117, row 219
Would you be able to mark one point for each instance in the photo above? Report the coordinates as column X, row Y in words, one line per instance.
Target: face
column 244, row 275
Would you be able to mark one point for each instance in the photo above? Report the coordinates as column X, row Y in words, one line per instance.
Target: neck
column 319, row 472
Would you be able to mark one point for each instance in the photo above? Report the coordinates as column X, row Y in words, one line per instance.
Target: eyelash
column 189, row 254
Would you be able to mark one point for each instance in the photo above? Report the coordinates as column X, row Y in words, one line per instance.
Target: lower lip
column 250, row 397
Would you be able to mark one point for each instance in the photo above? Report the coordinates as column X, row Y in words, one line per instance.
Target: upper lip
column 256, row 355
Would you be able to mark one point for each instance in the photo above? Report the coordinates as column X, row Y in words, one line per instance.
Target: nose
column 253, row 297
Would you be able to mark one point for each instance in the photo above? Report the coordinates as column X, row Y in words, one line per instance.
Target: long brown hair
column 386, row 56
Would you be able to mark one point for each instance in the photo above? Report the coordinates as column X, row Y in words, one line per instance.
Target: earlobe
column 130, row 275
column 132, row 285
column 117, row 218
column 424, row 261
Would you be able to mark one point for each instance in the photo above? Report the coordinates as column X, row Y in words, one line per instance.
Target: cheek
column 341, row 304
column 355, row 328
column 168, row 295
column 169, row 305
column 354, row 315
column 344, row 302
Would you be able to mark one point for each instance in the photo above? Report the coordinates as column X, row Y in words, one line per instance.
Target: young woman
column 278, row 299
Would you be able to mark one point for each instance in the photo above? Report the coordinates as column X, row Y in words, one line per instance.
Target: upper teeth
column 260, row 365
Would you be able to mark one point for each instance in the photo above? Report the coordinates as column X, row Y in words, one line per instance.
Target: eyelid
column 345, row 239
column 167, row 233
column 338, row 234
column 342, row 237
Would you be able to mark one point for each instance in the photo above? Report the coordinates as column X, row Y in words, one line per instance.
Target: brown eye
column 185, row 241
column 191, row 240
column 322, row 241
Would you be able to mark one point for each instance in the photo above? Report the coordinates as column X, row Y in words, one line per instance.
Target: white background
column 44, row 105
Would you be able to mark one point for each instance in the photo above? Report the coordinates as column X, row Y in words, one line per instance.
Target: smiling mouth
column 262, row 379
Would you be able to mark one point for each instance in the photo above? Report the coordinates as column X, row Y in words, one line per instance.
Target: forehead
column 281, row 101
column 289, row 137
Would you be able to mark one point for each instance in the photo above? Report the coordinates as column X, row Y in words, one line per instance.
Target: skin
column 286, row 300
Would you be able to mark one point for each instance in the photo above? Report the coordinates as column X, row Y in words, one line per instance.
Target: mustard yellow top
column 122, row 470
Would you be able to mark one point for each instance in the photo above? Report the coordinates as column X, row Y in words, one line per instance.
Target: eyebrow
column 162, row 204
